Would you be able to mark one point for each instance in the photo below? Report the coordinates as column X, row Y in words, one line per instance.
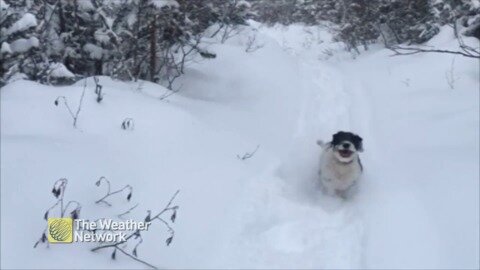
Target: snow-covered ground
column 418, row 204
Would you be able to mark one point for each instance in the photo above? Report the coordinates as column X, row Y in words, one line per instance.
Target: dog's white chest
column 338, row 176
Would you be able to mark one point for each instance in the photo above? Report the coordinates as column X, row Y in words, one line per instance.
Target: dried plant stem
column 109, row 192
column 70, row 111
column 137, row 233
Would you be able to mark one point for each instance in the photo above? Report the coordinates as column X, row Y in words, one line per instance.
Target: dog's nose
column 346, row 145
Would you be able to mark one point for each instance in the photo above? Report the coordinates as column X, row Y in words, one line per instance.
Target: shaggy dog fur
column 340, row 165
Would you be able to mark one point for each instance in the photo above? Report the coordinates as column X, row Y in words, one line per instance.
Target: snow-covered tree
column 464, row 14
column 408, row 21
column 57, row 41
column 18, row 39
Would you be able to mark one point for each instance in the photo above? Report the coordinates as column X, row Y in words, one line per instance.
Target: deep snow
column 418, row 204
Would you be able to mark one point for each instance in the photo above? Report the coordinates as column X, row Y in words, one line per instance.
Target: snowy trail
column 288, row 223
column 414, row 177
column 395, row 220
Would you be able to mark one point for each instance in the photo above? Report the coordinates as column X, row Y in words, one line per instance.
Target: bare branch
column 248, row 155
column 169, row 93
column 467, row 51
column 128, row 211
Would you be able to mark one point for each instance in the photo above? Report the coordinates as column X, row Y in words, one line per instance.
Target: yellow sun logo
column 60, row 230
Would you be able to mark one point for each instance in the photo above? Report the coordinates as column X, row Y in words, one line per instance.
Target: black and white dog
column 340, row 165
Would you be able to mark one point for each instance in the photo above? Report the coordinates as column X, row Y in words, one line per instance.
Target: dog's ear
column 358, row 142
column 323, row 144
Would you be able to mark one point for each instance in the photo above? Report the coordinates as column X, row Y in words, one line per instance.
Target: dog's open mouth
column 345, row 153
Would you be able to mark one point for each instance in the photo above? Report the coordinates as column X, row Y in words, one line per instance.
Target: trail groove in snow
column 287, row 222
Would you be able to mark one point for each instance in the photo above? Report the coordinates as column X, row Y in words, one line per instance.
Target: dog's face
column 346, row 146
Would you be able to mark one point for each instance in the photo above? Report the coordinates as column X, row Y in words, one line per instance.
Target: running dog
column 340, row 165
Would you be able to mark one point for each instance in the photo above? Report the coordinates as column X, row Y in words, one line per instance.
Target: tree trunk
column 62, row 17
column 153, row 49
column 99, row 67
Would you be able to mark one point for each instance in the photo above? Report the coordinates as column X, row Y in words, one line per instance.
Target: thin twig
column 109, row 192
column 450, row 75
column 128, row 211
column 70, row 111
column 135, row 258
column 169, row 93
column 80, row 104
column 168, row 207
column 248, row 155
